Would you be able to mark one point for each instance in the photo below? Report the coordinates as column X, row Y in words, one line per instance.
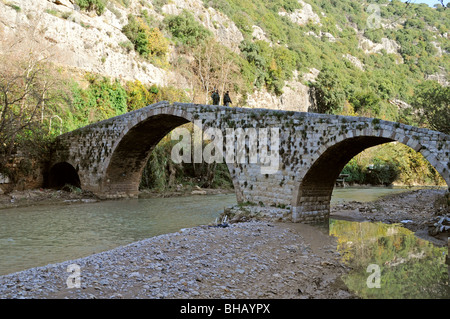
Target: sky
column 429, row 2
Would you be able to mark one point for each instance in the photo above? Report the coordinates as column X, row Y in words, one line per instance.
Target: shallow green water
column 37, row 236
column 408, row 267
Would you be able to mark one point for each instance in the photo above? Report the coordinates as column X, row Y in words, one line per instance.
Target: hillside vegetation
column 388, row 61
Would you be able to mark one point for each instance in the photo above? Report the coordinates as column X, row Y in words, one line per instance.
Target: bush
column 101, row 100
column 389, row 163
column 328, row 92
column 90, row 5
column 148, row 42
column 366, row 103
column 185, row 29
column 432, row 104
column 381, row 173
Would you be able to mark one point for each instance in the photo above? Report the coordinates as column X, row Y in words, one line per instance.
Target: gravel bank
column 245, row 260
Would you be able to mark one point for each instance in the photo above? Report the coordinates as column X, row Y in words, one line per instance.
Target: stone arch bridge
column 309, row 150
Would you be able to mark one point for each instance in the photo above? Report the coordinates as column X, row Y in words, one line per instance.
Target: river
column 37, row 236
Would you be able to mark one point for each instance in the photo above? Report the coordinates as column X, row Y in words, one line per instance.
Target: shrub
column 148, row 42
column 90, row 5
column 185, row 29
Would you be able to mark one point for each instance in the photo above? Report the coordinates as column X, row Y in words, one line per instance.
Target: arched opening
column 391, row 164
column 131, row 156
column 312, row 203
column 62, row 175
column 124, row 171
column 163, row 173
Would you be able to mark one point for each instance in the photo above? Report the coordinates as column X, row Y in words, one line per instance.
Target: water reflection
column 410, row 267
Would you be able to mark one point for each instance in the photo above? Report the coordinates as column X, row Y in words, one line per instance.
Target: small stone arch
column 62, row 174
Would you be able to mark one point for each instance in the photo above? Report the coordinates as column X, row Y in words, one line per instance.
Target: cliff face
column 77, row 40
column 86, row 42
column 95, row 43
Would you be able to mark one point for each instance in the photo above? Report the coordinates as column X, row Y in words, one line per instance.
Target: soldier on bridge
column 215, row 97
column 227, row 99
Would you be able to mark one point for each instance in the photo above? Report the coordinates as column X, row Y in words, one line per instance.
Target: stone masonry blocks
column 308, row 142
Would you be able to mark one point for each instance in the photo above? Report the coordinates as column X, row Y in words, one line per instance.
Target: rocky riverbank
column 245, row 260
column 41, row 196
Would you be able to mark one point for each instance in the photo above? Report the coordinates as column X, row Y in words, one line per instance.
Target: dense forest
column 39, row 100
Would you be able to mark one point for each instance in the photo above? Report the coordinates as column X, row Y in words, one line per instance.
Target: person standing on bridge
column 227, row 99
column 215, row 97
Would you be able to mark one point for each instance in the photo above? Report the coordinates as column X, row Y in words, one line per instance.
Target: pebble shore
column 254, row 259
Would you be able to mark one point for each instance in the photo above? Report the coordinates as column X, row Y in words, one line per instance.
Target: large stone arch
column 312, row 194
column 134, row 146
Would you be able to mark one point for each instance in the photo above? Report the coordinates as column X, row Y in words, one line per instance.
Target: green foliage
column 355, row 171
column 328, row 92
column 139, row 95
column 271, row 65
column 386, row 76
column 91, row 5
column 379, row 173
column 102, row 99
column 432, row 105
column 382, row 172
column 161, row 173
column 148, row 42
column 185, row 29
column 367, row 103
column 391, row 163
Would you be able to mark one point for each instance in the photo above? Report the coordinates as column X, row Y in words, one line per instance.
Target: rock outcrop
column 302, row 16
column 295, row 97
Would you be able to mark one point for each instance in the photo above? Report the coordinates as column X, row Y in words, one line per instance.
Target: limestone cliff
column 93, row 43
column 77, row 40
column 85, row 42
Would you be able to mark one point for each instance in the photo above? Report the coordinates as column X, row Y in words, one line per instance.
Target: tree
column 148, row 42
column 432, row 105
column 90, row 5
column 27, row 87
column 32, row 96
column 366, row 103
column 328, row 92
column 216, row 67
